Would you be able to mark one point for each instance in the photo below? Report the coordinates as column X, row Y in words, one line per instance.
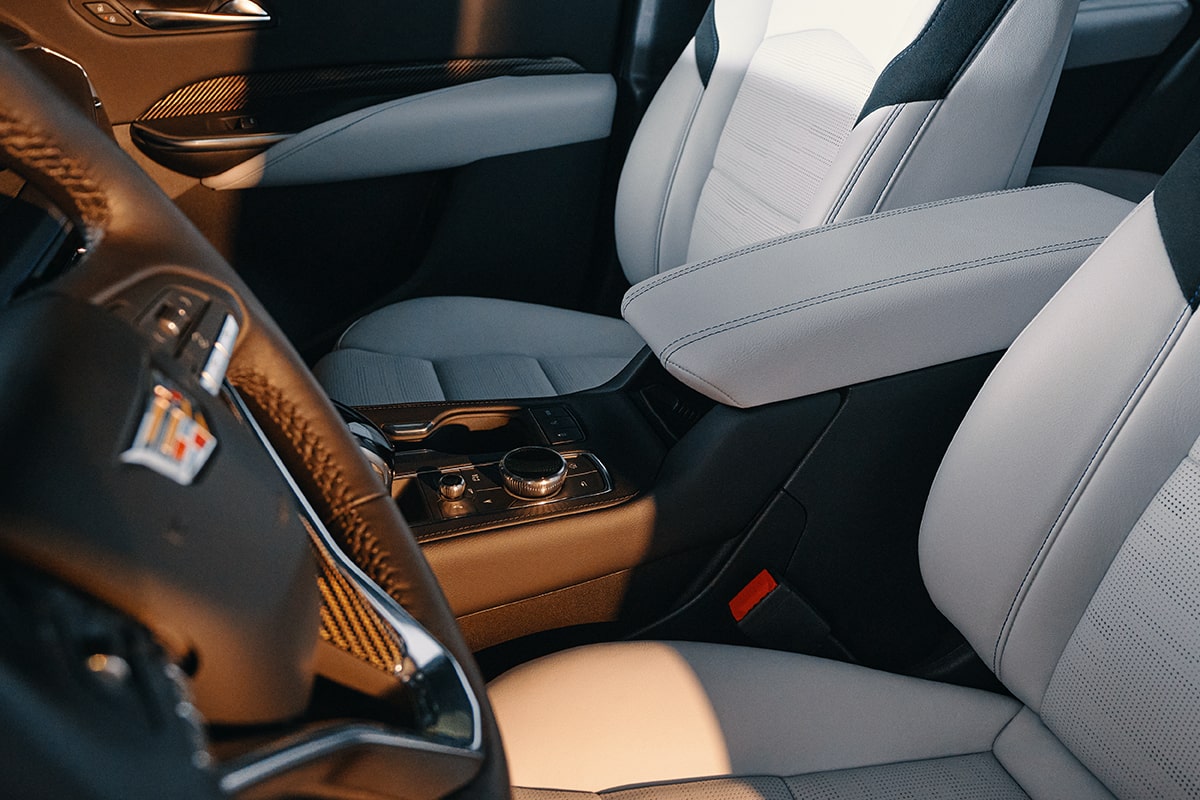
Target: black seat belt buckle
column 772, row 614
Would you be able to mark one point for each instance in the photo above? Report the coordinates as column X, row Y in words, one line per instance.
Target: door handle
column 241, row 13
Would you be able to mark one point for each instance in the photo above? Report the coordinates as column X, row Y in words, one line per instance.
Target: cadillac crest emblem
column 173, row 438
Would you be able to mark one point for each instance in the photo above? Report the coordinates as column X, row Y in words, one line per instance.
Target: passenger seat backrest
column 786, row 114
column 1062, row 534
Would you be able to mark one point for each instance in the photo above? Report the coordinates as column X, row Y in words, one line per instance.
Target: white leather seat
column 780, row 115
column 1062, row 538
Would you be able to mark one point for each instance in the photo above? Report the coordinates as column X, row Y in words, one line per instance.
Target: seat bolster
column 1048, row 474
column 623, row 714
column 871, row 155
column 673, row 151
column 995, row 111
column 1042, row 765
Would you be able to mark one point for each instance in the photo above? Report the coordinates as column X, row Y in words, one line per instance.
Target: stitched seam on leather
column 680, row 272
column 859, row 168
column 912, row 144
column 863, row 288
column 1077, row 490
column 713, row 386
column 30, row 146
column 344, row 517
column 662, row 212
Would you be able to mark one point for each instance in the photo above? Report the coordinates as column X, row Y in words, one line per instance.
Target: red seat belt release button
column 753, row 594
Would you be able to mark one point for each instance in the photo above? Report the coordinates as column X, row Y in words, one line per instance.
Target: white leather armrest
column 870, row 297
column 437, row 130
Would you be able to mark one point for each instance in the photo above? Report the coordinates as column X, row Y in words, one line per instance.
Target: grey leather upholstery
column 472, row 348
column 1060, row 537
column 875, row 296
column 788, row 114
column 436, row 130
column 1134, row 185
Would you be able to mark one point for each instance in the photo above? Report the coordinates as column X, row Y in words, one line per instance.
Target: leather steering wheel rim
column 131, row 231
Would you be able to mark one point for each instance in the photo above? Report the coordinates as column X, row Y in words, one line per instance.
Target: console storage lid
column 870, row 297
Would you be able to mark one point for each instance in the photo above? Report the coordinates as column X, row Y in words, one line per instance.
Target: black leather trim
column 707, row 44
column 1177, row 205
column 927, row 68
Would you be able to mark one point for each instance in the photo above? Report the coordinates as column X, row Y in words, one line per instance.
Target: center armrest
column 871, row 297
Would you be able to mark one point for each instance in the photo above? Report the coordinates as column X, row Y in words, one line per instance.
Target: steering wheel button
column 214, row 371
column 227, row 338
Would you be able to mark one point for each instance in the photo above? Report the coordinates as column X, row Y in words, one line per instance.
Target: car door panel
column 433, row 197
column 1108, row 31
column 207, row 127
column 1126, row 97
column 437, row 130
column 131, row 74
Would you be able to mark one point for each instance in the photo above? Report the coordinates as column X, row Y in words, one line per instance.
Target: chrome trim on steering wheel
column 427, row 666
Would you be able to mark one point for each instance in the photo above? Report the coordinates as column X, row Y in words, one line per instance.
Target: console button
column 491, row 500
column 584, row 485
column 480, row 479
column 453, row 509
column 558, row 424
column 553, row 423
column 550, row 412
column 564, row 435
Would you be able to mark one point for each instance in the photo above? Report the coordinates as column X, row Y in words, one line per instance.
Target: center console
column 795, row 398
column 508, row 465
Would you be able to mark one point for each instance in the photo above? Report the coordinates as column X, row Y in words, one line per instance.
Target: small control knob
column 533, row 472
column 452, row 485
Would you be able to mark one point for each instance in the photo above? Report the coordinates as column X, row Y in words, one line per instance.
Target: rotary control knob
column 533, row 472
column 452, row 486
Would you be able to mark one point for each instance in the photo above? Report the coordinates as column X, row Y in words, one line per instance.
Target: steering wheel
column 135, row 241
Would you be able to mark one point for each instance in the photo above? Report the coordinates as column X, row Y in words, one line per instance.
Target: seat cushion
column 627, row 714
column 471, row 348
